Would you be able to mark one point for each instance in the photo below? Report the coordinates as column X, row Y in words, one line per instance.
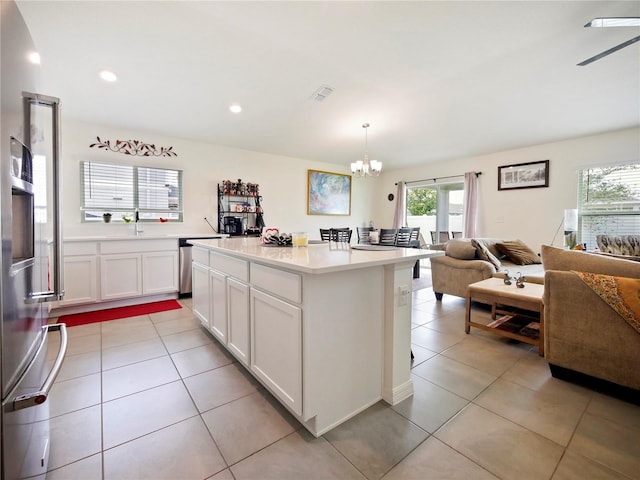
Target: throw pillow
column 461, row 249
column 490, row 243
column 485, row 254
column 518, row 252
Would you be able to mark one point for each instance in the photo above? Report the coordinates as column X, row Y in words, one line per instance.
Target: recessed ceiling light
column 108, row 76
column 235, row 108
column 34, row 57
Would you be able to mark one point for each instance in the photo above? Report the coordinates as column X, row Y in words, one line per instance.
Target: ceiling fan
column 612, row 22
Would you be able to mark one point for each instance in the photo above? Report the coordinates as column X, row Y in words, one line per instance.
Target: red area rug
column 119, row 312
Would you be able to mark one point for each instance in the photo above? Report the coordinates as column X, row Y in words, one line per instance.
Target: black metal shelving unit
column 240, row 209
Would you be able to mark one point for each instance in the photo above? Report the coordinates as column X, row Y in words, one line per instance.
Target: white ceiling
column 436, row 80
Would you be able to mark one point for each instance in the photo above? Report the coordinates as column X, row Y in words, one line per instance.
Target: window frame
column 614, row 217
column 443, row 211
column 89, row 214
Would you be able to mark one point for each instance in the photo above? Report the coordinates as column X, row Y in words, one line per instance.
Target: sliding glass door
column 437, row 209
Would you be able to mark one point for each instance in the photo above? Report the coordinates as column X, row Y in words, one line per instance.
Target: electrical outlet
column 403, row 295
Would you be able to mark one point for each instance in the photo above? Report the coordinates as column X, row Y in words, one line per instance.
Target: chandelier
column 366, row 167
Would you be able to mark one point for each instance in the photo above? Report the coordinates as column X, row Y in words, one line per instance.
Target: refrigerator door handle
column 57, row 293
column 40, row 396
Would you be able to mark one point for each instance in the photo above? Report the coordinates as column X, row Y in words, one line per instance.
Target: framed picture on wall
column 328, row 193
column 524, row 175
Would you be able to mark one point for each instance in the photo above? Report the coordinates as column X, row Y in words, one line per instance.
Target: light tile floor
column 156, row 397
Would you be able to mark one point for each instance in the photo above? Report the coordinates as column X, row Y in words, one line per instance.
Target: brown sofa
column 583, row 335
column 463, row 265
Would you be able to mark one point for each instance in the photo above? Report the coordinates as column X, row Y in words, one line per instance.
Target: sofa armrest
column 452, row 275
column 584, row 334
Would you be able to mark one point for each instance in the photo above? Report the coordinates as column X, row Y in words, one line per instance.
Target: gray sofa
column 468, row 261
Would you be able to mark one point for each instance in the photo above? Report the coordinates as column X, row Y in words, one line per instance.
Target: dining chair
column 456, row 234
column 409, row 237
column 325, row 234
column 403, row 237
column 414, row 240
column 341, row 234
column 364, row 233
column 439, row 237
column 388, row 236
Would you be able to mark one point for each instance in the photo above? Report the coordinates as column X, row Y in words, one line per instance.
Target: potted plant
column 106, row 217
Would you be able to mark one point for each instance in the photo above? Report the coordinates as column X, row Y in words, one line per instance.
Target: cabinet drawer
column 80, row 248
column 232, row 266
column 283, row 284
column 138, row 245
column 200, row 255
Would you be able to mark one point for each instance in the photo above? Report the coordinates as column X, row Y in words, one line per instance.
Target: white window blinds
column 121, row 189
column 609, row 202
column 158, row 189
column 107, row 187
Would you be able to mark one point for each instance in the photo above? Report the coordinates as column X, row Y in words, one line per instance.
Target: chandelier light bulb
column 366, row 168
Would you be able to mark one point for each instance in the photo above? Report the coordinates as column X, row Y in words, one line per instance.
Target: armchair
column 585, row 339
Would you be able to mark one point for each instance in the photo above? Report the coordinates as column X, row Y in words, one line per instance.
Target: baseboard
column 399, row 393
column 92, row 307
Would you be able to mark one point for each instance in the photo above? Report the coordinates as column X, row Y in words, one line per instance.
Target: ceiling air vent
column 323, row 92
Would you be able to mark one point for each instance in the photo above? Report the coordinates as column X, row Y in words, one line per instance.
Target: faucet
column 138, row 226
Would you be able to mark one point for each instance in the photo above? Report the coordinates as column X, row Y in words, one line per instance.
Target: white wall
column 282, row 180
column 532, row 215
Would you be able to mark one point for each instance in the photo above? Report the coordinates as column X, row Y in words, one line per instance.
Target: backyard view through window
column 608, row 202
column 437, row 210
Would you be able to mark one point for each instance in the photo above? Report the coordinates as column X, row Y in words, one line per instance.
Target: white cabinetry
column 200, row 287
column 218, row 297
column 80, row 279
column 276, row 347
column 130, row 268
column 228, row 297
column 238, row 313
column 120, row 276
column 159, row 272
column 324, row 356
column 111, row 270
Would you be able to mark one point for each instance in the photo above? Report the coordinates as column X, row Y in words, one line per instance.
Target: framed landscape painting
column 524, row 175
column 328, row 193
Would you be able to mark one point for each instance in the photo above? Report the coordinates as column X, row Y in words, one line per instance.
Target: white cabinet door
column 238, row 311
column 120, row 276
column 201, row 297
column 159, row 272
column 218, row 295
column 276, row 347
column 80, row 279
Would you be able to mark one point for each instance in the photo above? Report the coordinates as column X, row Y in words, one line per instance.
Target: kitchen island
column 325, row 328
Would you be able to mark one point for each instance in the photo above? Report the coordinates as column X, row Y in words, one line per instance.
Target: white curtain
column 470, row 204
column 399, row 218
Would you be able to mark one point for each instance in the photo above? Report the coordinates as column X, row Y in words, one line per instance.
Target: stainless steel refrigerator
column 31, row 254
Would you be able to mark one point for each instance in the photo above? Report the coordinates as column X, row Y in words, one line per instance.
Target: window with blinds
column 609, row 202
column 121, row 189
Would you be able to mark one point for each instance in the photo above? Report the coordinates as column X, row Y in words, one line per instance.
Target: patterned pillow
column 490, row 243
column 518, row 252
column 619, row 244
column 483, row 253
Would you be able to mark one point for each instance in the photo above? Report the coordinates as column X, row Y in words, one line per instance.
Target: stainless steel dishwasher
column 185, row 257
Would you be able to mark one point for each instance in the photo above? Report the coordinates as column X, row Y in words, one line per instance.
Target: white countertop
column 315, row 258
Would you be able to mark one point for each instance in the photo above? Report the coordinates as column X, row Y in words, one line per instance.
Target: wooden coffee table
column 521, row 310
